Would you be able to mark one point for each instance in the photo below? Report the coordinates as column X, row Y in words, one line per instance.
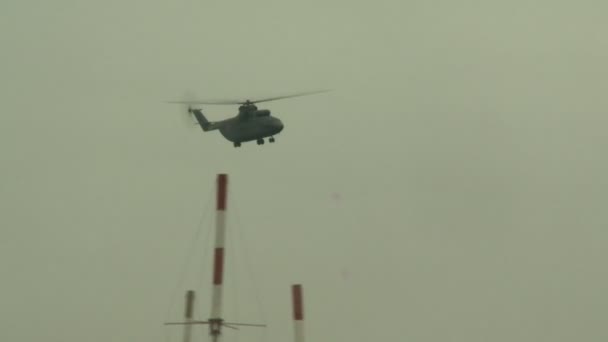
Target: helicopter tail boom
column 206, row 125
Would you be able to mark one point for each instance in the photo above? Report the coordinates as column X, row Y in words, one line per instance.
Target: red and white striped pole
column 188, row 315
column 215, row 321
column 298, row 312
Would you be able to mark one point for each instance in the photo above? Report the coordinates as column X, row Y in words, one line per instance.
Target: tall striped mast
column 298, row 312
column 215, row 321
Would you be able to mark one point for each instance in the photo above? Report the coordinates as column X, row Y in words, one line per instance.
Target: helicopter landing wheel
column 271, row 140
column 260, row 141
column 237, row 144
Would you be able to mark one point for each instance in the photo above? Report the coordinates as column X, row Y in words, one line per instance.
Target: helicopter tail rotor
column 187, row 110
column 187, row 116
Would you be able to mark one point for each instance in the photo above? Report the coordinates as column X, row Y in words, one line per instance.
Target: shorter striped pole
column 188, row 315
column 298, row 312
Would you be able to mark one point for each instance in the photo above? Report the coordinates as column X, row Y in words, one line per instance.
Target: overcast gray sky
column 452, row 187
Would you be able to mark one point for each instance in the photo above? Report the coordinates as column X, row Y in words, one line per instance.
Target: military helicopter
column 249, row 124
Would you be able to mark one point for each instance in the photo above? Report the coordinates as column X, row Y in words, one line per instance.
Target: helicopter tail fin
column 202, row 120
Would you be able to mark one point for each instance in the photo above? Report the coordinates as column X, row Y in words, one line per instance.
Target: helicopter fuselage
column 238, row 130
column 250, row 124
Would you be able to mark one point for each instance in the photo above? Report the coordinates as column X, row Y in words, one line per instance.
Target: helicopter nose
column 278, row 125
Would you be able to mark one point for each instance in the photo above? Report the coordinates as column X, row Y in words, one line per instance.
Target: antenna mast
column 188, row 315
column 298, row 312
column 216, row 322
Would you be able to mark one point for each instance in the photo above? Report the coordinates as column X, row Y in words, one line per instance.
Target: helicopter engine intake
column 262, row 112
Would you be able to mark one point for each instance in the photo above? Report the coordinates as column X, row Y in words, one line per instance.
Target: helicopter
column 250, row 124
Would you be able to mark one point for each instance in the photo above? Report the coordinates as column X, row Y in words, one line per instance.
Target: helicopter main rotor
column 248, row 102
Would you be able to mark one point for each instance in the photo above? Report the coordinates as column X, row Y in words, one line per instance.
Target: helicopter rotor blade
column 289, row 96
column 192, row 102
column 240, row 102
